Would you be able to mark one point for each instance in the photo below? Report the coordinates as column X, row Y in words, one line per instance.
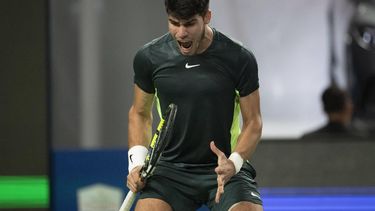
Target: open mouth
column 185, row 45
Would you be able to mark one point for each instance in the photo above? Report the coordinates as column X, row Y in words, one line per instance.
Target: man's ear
column 207, row 17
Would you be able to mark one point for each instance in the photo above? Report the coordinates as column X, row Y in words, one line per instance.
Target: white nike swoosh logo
column 255, row 195
column 187, row 66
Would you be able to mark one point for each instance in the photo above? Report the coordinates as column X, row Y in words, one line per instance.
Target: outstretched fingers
column 217, row 151
column 221, row 158
column 220, row 188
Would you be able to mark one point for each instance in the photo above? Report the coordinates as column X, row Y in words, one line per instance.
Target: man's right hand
column 134, row 181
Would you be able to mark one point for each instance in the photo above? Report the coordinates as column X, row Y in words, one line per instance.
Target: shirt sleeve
column 248, row 80
column 143, row 72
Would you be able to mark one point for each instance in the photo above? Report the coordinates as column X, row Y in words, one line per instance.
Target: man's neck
column 206, row 39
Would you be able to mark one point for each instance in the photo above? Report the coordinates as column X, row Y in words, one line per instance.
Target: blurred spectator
column 338, row 107
column 361, row 64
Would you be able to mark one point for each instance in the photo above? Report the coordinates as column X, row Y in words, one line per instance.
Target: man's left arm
column 252, row 125
column 246, row 143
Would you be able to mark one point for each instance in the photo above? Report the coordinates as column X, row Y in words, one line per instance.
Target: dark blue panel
column 75, row 169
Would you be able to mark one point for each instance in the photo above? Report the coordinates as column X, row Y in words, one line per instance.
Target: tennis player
column 212, row 79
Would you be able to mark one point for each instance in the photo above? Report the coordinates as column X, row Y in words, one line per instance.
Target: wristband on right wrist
column 136, row 156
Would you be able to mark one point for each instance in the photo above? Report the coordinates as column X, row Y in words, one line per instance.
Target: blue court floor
column 320, row 203
column 317, row 202
column 318, row 199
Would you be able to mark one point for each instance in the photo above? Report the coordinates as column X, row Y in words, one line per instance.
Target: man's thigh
column 152, row 204
column 246, row 206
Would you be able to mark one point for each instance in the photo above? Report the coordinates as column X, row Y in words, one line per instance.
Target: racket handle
column 128, row 201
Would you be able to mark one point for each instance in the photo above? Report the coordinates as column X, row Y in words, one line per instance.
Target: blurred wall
column 315, row 163
column 93, row 44
column 23, row 88
column 291, row 41
column 64, row 72
column 94, row 41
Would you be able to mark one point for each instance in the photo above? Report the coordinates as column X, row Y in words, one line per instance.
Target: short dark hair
column 334, row 99
column 185, row 9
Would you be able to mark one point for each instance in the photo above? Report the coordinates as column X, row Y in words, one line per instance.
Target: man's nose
column 182, row 32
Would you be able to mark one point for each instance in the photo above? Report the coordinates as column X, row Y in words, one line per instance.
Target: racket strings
column 159, row 141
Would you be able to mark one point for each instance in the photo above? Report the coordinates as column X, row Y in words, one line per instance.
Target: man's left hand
column 225, row 170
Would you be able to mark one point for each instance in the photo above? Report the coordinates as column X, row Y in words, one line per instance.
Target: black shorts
column 188, row 188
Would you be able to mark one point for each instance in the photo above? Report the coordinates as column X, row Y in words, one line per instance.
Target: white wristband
column 136, row 156
column 237, row 160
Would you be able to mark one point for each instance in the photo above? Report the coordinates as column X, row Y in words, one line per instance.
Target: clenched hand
column 134, row 181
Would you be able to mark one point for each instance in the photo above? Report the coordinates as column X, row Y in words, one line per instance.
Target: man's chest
column 193, row 77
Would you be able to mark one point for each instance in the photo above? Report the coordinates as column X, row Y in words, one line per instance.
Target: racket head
column 159, row 141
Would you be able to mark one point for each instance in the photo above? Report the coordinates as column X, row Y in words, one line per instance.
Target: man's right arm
column 140, row 118
column 139, row 135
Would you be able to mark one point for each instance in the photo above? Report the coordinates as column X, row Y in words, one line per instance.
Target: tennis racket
column 158, row 143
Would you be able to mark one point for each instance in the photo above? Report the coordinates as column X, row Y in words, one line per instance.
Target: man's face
column 188, row 33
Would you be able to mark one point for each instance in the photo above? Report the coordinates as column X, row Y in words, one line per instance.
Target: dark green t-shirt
column 205, row 87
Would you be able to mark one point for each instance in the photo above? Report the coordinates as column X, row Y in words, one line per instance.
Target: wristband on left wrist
column 237, row 160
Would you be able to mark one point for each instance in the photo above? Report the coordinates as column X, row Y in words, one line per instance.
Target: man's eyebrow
column 190, row 21
column 183, row 21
